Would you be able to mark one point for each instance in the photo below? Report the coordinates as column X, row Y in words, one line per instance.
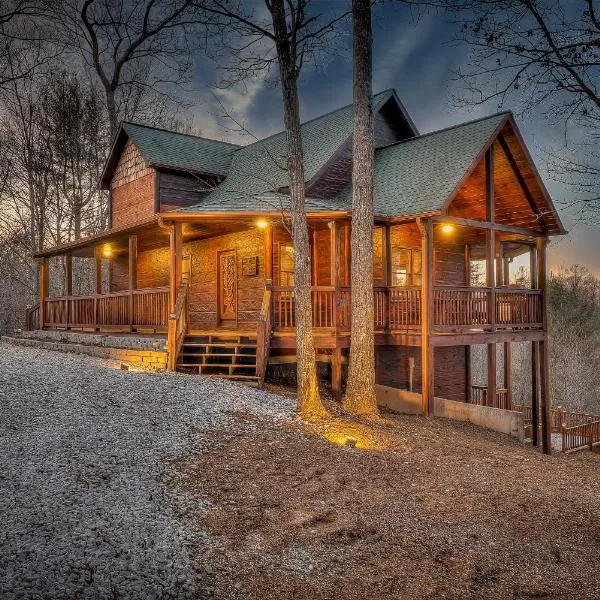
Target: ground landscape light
column 262, row 223
column 447, row 228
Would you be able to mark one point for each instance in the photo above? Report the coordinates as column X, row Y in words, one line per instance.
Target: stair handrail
column 178, row 326
column 32, row 317
column 264, row 329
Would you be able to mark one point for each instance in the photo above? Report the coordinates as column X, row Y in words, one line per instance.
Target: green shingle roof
column 180, row 151
column 258, row 168
column 418, row 175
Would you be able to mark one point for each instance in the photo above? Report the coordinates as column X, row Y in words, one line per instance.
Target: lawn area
column 118, row 484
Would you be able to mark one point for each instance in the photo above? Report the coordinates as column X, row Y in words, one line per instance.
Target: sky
column 417, row 57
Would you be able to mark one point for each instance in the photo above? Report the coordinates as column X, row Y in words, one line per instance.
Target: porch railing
column 32, row 318
column 399, row 308
column 479, row 396
column 131, row 309
column 264, row 329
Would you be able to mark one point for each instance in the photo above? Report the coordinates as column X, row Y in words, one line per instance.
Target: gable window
column 406, row 267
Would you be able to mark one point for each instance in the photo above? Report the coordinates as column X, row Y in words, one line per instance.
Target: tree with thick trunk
column 360, row 398
column 309, row 401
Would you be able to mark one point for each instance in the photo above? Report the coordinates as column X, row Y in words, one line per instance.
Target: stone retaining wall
column 135, row 357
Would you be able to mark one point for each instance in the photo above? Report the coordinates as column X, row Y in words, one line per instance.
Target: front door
column 227, row 285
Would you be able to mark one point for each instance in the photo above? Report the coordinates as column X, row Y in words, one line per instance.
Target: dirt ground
column 421, row 508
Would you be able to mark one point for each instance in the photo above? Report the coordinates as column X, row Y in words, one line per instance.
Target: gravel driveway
column 87, row 501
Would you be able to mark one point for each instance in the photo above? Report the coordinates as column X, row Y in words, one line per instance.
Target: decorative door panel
column 227, row 292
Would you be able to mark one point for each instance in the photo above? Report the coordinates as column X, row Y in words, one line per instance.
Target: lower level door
column 227, row 285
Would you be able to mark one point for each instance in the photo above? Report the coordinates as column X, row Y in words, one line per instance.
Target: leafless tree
column 360, row 395
column 140, row 51
column 542, row 56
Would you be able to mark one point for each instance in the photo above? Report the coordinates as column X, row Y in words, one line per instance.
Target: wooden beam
column 98, row 268
column 460, row 222
column 269, row 252
column 545, row 393
column 535, row 392
column 388, row 255
column 545, row 398
column 490, row 201
column 132, row 275
column 69, row 274
column 522, row 184
column 499, row 336
column 499, row 263
column 175, row 257
column 336, row 373
column 44, row 287
column 508, row 370
column 491, row 374
column 132, row 257
column 427, row 354
column 468, row 375
column 334, row 239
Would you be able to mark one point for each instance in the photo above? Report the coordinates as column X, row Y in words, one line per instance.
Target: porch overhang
column 85, row 246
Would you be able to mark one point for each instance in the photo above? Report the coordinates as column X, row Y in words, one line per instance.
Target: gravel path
column 90, row 504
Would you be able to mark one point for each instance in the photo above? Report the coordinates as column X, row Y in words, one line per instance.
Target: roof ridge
column 327, row 114
column 456, row 126
column 196, row 137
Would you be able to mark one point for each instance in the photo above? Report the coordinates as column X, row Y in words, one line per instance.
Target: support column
column 132, row 275
column 175, row 256
column 427, row 354
column 68, row 285
column 508, row 372
column 98, row 261
column 545, row 390
column 535, row 393
column 334, row 232
column 468, row 375
column 44, row 286
column 269, row 252
column 336, row 373
column 98, row 289
column 491, row 375
column 69, row 274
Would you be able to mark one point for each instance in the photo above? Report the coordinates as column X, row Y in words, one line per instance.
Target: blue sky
column 417, row 57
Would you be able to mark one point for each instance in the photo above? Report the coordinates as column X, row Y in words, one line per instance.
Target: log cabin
column 198, row 249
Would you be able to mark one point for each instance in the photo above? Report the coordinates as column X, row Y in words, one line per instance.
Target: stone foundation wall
column 148, row 359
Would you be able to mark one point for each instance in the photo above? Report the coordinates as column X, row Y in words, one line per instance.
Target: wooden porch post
column 69, row 274
column 427, row 354
column 44, row 286
column 508, row 372
column 535, row 393
column 68, row 285
column 269, row 252
column 468, row 375
column 335, row 268
column 545, row 392
column 98, row 262
column 132, row 275
column 336, row 373
column 490, row 235
column 175, row 256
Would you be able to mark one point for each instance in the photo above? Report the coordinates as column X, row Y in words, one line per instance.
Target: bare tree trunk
column 309, row 401
column 360, row 396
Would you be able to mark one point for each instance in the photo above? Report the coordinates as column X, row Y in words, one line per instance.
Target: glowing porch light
column 107, row 251
column 262, row 223
column 447, row 228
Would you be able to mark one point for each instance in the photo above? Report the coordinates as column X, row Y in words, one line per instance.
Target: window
column 406, row 267
column 286, row 265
